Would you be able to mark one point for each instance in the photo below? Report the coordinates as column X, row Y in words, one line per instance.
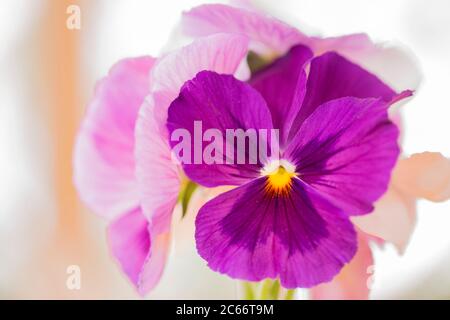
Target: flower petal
column 140, row 257
column 346, row 150
column 104, row 151
column 424, row 175
column 394, row 64
column 301, row 238
column 157, row 174
column 331, row 77
column 283, row 86
column 155, row 263
column 393, row 219
column 219, row 102
column 222, row 53
column 354, row 280
column 268, row 34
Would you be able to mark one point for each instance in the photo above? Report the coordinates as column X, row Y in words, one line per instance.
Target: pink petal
column 424, row 175
column 104, row 151
column 393, row 219
column 155, row 263
column 141, row 257
column 353, row 282
column 222, row 53
column 268, row 34
column 395, row 65
column 159, row 177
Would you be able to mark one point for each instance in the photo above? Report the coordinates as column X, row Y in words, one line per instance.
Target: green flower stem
column 290, row 294
column 249, row 294
column 187, row 190
column 266, row 290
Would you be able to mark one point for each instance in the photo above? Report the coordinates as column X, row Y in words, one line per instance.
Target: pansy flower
column 123, row 168
column 289, row 218
column 104, row 172
column 394, row 215
column 123, row 165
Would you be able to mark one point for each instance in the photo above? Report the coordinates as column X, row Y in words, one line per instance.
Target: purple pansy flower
column 289, row 218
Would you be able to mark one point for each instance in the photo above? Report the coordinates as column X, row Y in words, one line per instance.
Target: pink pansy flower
column 104, row 168
column 138, row 194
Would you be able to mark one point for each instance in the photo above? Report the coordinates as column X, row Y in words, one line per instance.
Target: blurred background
column 47, row 75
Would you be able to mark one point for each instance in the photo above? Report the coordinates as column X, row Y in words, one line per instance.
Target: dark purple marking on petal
column 346, row 150
column 249, row 234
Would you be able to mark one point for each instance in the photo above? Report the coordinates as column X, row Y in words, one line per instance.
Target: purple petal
column 283, row 86
column 137, row 253
column 396, row 65
column 104, row 152
column 220, row 102
column 301, row 237
column 331, row 77
column 346, row 150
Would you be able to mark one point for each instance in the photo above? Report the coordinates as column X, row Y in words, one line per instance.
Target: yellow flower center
column 279, row 177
